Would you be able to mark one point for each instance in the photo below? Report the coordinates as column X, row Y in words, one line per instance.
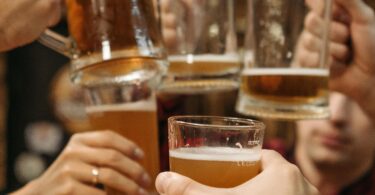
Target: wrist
column 28, row 189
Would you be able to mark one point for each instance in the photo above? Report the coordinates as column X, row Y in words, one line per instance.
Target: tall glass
column 130, row 110
column 216, row 151
column 202, row 78
column 278, row 81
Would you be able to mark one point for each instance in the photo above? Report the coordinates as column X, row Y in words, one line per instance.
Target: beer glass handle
column 57, row 42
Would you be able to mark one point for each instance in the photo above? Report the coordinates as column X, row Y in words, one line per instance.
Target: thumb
column 170, row 183
column 358, row 10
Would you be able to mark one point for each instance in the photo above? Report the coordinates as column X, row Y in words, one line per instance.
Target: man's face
column 347, row 137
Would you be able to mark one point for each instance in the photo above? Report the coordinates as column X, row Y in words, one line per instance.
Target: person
column 21, row 22
column 335, row 155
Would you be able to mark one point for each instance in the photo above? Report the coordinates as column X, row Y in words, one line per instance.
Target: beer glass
column 118, row 59
column 216, row 151
column 278, row 81
column 110, row 39
column 202, row 51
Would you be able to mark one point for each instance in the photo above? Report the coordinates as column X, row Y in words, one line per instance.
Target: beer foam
column 285, row 71
column 233, row 58
column 216, row 154
column 144, row 105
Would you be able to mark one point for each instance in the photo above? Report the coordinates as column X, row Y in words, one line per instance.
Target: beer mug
column 202, row 52
column 110, row 40
column 275, row 82
column 118, row 59
column 217, row 151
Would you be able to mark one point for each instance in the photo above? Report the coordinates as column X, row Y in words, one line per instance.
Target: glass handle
column 57, row 42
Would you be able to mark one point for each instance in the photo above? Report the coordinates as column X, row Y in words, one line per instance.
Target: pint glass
column 277, row 81
column 204, row 61
column 130, row 110
column 216, row 151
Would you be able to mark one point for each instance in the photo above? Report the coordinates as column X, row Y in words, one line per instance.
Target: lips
column 334, row 141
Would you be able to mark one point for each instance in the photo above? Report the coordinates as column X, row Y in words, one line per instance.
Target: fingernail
column 146, row 180
column 138, row 153
column 142, row 191
column 162, row 182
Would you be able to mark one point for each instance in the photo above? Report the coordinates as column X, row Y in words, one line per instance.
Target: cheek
column 305, row 130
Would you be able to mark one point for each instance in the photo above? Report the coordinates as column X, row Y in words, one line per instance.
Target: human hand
column 356, row 79
column 22, row 21
column 352, row 40
column 113, row 157
column 277, row 177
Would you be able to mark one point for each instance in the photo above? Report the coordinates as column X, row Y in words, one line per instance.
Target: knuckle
column 107, row 135
column 113, row 156
column 68, row 152
column 137, row 172
column 311, row 20
column 76, row 137
column 290, row 170
column 66, row 170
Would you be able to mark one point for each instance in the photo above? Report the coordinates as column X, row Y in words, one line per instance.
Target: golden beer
column 216, row 166
column 135, row 121
column 198, row 65
column 286, row 90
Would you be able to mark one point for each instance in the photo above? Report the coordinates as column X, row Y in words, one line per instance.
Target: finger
column 78, row 188
column 271, row 158
column 340, row 14
column 169, row 21
column 311, row 42
column 112, row 159
column 55, row 12
column 339, row 32
column 113, row 179
column 340, row 52
column 170, row 38
column 169, row 183
column 358, row 10
column 166, row 6
column 314, row 23
column 108, row 139
column 316, row 6
column 306, row 58
column 82, row 172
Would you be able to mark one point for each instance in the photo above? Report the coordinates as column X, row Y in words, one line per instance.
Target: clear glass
column 204, row 61
column 110, row 39
column 130, row 110
column 216, row 151
column 274, row 82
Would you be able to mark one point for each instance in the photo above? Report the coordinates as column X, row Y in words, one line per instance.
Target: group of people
column 333, row 156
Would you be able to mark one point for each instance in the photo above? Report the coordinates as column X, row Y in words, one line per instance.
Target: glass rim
column 246, row 124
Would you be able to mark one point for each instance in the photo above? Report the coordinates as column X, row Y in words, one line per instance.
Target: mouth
column 335, row 142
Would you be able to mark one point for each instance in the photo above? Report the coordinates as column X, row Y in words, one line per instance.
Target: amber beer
column 135, row 121
column 216, row 166
column 286, row 85
column 93, row 24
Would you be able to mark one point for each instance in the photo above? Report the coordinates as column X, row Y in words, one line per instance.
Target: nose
column 339, row 109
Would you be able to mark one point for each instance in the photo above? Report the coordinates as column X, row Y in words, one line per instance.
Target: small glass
column 216, row 151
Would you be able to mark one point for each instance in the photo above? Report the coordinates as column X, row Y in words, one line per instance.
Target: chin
column 329, row 157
